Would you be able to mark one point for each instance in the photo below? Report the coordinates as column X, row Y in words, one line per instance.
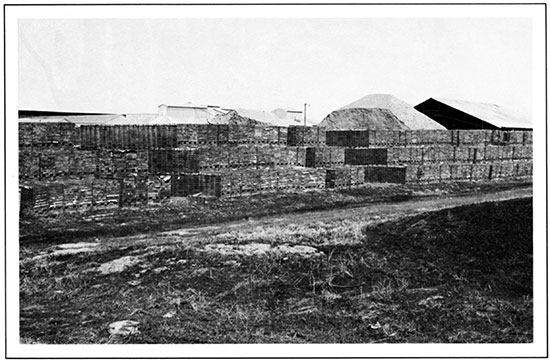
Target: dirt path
column 372, row 213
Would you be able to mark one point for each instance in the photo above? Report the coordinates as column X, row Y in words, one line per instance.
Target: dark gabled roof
column 493, row 114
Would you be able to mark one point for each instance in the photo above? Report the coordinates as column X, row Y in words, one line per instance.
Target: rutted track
column 371, row 214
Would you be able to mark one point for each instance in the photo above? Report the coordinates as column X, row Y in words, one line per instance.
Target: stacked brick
column 466, row 171
column 169, row 161
column 379, row 138
column 345, row 177
column 363, row 156
column 448, row 153
column 246, row 156
column 47, row 134
column 395, row 174
column 56, row 162
column 127, row 136
column 74, row 194
column 216, row 134
column 326, row 156
column 65, row 166
column 241, row 181
column 302, row 135
column 89, row 193
column 184, row 185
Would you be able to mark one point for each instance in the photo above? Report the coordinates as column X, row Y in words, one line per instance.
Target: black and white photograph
column 275, row 180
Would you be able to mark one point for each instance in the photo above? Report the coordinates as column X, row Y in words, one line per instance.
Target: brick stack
column 65, row 165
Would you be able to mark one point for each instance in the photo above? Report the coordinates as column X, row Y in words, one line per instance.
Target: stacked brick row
column 468, row 171
column 345, row 177
column 379, row 138
column 47, row 134
column 92, row 192
column 325, row 156
column 448, row 172
column 70, row 162
column 242, row 181
column 77, row 194
column 239, row 181
column 74, row 163
column 184, row 185
column 147, row 136
column 127, row 136
column 448, row 153
column 244, row 156
column 215, row 134
column 172, row 136
column 435, row 156
column 302, row 135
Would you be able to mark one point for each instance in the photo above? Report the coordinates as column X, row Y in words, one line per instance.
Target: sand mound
column 411, row 117
column 362, row 118
column 234, row 118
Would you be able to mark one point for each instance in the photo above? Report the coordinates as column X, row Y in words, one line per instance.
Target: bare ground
column 436, row 269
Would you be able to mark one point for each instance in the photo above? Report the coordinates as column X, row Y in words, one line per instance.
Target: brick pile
column 47, row 134
column 345, row 176
column 239, row 181
column 68, row 167
column 301, row 135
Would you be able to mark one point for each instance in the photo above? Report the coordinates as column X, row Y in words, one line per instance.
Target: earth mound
column 362, row 118
column 234, row 118
column 411, row 117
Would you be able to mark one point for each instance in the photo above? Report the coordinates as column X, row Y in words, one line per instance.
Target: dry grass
column 458, row 275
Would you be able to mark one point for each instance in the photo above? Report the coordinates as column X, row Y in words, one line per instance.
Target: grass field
column 461, row 274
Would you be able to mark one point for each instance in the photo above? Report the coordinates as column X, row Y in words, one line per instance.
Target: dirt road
column 368, row 214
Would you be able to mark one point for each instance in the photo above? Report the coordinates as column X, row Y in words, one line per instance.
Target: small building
column 191, row 113
column 289, row 116
column 460, row 114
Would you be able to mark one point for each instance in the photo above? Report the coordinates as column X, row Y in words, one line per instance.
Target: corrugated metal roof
column 491, row 113
column 91, row 119
column 142, row 119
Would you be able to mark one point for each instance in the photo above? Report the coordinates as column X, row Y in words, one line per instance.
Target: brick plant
column 64, row 166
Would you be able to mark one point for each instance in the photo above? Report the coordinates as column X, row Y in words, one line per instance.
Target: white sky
column 119, row 65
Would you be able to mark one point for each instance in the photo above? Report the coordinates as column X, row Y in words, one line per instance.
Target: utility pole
column 305, row 111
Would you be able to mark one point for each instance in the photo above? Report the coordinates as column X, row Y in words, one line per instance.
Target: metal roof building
column 460, row 114
column 191, row 113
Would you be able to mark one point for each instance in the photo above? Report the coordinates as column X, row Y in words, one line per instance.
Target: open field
column 417, row 270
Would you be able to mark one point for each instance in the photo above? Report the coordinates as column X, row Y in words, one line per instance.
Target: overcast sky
column 132, row 66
